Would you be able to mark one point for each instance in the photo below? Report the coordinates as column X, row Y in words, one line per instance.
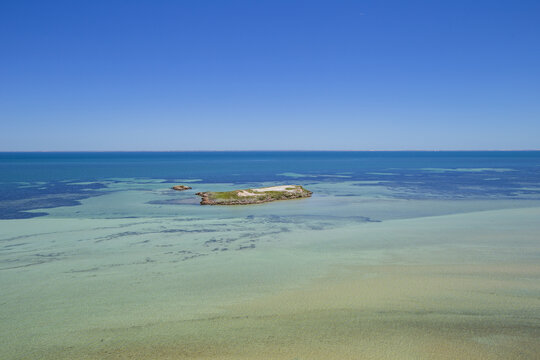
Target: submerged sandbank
column 371, row 312
column 446, row 287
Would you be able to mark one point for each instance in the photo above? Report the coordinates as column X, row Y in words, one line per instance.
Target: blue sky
column 241, row 75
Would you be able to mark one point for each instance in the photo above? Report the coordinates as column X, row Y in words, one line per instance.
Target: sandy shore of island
column 255, row 192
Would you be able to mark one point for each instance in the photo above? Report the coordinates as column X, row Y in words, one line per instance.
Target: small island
column 254, row 196
column 181, row 187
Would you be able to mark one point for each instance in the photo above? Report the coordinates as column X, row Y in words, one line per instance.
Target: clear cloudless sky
column 242, row 75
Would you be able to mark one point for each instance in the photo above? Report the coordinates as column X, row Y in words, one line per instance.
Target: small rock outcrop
column 181, row 187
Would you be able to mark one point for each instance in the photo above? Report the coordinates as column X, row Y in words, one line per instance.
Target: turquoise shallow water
column 48, row 180
column 99, row 256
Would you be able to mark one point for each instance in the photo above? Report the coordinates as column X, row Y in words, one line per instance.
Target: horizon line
column 264, row 150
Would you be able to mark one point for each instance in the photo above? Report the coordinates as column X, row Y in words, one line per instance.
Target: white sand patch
column 255, row 192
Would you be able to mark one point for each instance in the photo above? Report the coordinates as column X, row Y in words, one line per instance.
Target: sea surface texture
column 397, row 255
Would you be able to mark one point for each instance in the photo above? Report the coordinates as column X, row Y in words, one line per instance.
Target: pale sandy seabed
column 453, row 286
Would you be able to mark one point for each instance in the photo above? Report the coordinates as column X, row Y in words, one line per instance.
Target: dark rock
column 181, row 187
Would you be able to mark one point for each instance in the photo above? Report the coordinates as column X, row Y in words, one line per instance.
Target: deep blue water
column 44, row 180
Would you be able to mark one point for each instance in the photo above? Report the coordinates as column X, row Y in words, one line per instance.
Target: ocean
column 409, row 255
